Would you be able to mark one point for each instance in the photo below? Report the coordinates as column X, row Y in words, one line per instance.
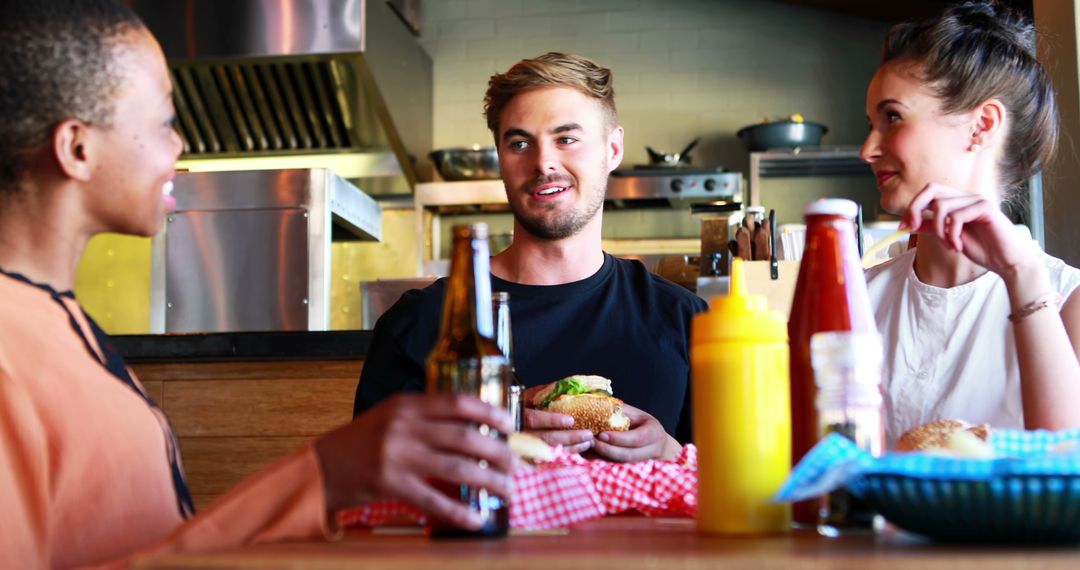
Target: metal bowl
column 782, row 134
column 475, row 163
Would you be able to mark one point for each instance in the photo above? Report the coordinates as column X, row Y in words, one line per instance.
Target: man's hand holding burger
column 587, row 403
column 646, row 439
column 555, row 428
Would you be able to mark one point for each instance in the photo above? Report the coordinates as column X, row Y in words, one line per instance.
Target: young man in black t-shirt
column 576, row 309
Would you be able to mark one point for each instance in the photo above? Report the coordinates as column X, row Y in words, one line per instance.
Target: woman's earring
column 974, row 147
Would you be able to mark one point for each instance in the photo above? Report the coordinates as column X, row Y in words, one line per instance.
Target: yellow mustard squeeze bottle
column 742, row 412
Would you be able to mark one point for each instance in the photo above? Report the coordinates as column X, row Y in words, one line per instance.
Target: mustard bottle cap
column 738, row 315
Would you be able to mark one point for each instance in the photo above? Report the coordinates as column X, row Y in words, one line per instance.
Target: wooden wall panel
column 233, row 418
column 154, row 389
column 251, row 370
column 214, row 464
column 258, row 407
column 202, row 501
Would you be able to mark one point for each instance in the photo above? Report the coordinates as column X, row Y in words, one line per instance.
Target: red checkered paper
column 570, row 489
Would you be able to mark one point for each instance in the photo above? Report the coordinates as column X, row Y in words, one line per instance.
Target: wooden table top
column 623, row 543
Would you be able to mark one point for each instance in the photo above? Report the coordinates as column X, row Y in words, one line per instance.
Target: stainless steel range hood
column 263, row 84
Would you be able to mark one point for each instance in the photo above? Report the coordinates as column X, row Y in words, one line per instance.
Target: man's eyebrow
column 565, row 128
column 516, row 133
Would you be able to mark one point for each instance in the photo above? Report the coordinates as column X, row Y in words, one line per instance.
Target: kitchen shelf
column 435, row 198
column 804, row 162
column 839, row 162
column 465, row 193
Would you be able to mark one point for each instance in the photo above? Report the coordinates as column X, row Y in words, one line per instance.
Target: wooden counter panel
column 258, row 407
column 155, row 389
column 250, row 370
column 214, row 464
column 203, row 501
column 233, row 418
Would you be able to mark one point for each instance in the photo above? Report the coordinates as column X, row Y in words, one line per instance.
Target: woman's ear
column 989, row 124
column 71, row 148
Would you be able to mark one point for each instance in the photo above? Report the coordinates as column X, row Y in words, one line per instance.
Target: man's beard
column 564, row 224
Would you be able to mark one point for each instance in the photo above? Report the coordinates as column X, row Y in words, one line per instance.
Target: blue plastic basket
column 1013, row 508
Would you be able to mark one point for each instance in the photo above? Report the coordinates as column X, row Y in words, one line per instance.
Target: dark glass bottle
column 830, row 295
column 466, row 360
column 504, row 338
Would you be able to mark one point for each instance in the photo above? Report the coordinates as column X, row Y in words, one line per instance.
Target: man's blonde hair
column 553, row 69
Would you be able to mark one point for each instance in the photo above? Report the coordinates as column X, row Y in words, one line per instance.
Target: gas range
column 674, row 183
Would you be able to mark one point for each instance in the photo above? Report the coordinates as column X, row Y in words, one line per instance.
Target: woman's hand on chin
column 972, row 225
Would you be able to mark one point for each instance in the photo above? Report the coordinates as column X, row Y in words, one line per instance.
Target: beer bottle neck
column 467, row 309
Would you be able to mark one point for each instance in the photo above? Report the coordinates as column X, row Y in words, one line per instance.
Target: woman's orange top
column 84, row 460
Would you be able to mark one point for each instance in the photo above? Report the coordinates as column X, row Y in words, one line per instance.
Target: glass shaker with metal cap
column 500, row 301
column 847, row 372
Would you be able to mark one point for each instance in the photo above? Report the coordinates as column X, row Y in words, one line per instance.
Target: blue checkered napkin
column 1019, row 443
column 832, row 463
column 836, row 462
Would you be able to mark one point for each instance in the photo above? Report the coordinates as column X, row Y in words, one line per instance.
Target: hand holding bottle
column 394, row 449
column 466, row 361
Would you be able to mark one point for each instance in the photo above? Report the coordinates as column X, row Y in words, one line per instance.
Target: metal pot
column 657, row 158
column 466, row 163
column 782, row 134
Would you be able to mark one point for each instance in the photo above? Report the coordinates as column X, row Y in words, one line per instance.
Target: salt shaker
column 500, row 301
column 847, row 371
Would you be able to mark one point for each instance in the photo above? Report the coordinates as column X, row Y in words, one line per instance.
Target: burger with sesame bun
column 587, row 399
column 952, row 436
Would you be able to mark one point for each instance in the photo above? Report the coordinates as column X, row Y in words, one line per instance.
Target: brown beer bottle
column 466, row 360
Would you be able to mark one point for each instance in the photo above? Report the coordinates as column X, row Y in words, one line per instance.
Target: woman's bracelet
column 1041, row 302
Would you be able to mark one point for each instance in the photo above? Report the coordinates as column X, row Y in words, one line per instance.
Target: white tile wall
column 683, row 68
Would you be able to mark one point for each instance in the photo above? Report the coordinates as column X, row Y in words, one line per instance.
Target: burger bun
column 530, row 448
column 595, row 412
column 943, row 435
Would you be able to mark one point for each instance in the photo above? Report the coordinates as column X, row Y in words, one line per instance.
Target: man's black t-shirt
column 624, row 323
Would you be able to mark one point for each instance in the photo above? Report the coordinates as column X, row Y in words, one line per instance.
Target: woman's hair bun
column 996, row 19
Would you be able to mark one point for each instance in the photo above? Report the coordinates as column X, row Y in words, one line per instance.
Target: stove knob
column 710, row 184
column 676, row 185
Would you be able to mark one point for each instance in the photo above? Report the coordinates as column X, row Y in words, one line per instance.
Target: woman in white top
column 979, row 323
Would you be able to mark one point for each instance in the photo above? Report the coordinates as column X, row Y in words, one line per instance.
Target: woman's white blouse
column 949, row 353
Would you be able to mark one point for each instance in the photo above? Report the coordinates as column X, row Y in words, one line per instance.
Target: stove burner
column 668, row 183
